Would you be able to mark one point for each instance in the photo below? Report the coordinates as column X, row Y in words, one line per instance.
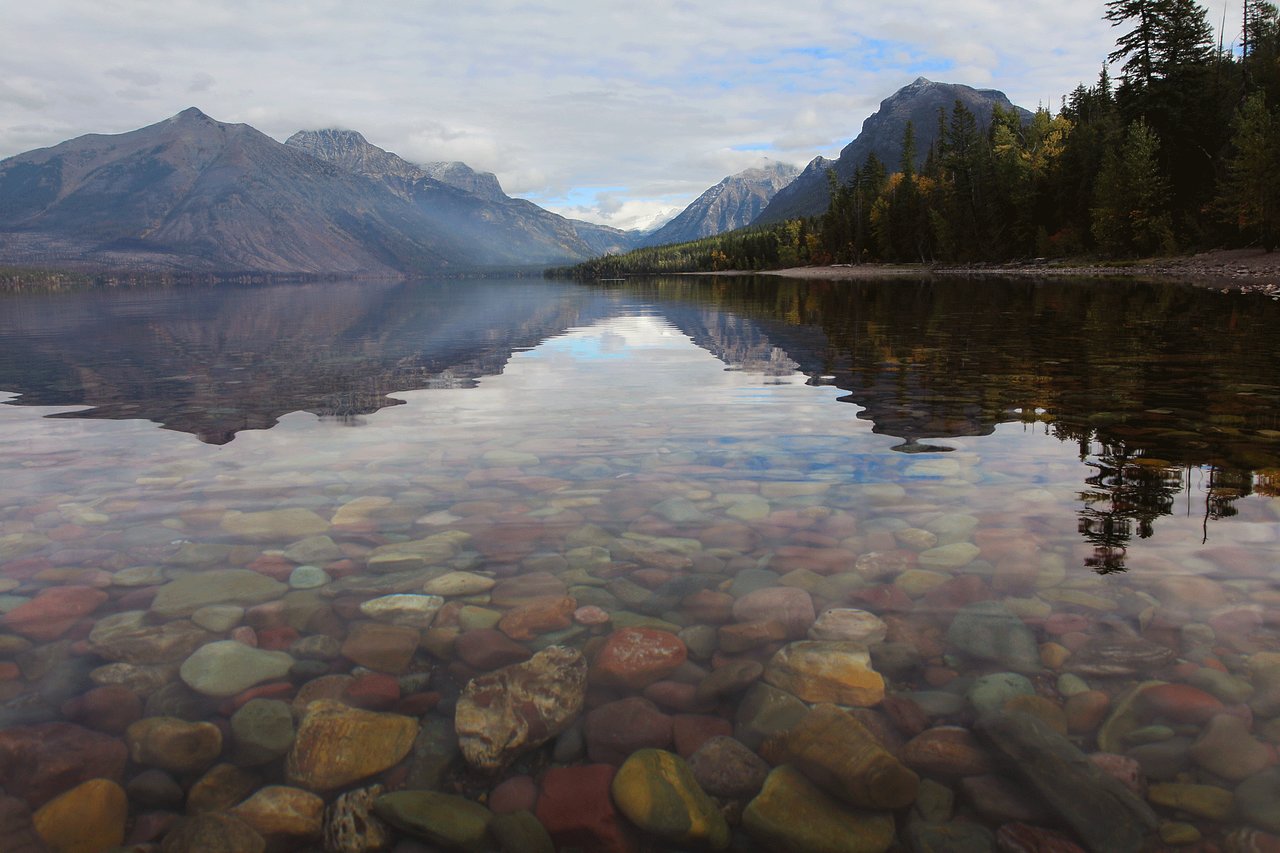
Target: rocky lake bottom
column 625, row 570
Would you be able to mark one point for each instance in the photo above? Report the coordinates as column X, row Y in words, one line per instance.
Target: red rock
column 111, row 709
column 41, row 761
column 373, row 692
column 416, row 704
column 277, row 639
column 1086, row 711
column 1123, row 769
column 246, row 635
column 1058, row 624
column 690, row 731
column 1180, row 703
column 906, row 716
column 708, row 606
column 938, row 676
column 274, row 566
column 675, row 696
column 519, row 793
column 269, row 614
column 151, row 826
column 633, row 658
column 946, row 751
column 52, row 613
column 997, row 544
column 575, row 808
column 590, row 615
column 745, row 636
column 9, row 671
column 17, row 828
column 616, row 729
column 882, row 599
column 274, row 690
column 487, row 649
column 384, row 648
column 538, row 616
column 650, row 578
column 950, row 596
column 1022, row 838
column 791, row 606
column 823, row 561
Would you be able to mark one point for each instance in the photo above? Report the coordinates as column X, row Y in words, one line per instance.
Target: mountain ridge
column 881, row 134
column 732, row 203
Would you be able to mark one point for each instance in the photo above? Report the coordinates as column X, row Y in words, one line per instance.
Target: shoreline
column 1253, row 269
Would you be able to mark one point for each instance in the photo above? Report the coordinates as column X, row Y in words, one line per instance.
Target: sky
column 613, row 112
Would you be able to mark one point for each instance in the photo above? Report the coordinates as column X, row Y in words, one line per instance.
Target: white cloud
column 552, row 95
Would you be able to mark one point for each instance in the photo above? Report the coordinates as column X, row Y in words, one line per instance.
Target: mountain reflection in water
column 1153, row 383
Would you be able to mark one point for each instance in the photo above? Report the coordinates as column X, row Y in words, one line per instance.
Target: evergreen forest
column 1179, row 152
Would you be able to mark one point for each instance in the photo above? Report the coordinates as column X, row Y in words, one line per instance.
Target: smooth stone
column 155, row 789
column 1257, row 800
column 956, row 837
column 826, row 672
column 220, row 788
column 1231, row 689
column 274, row 525
column 109, row 709
column 916, row 582
column 988, row 631
column 189, row 593
column 52, row 612
column 725, row 768
column 445, row 819
column 226, row 667
column 790, row 813
column 458, row 583
column 520, row 832
column 575, row 807
column 657, row 792
column 130, row 638
column 261, row 731
column 380, row 647
column 615, row 730
column 991, row 692
column 283, row 816
column 1227, row 749
column 1104, row 813
column 337, row 745
column 212, row 833
column 88, row 818
column 633, row 658
column 487, row 649
column 832, row 748
column 1163, row 760
column 765, row 710
column 791, row 606
column 308, row 577
column 218, row 618
column 1204, row 801
column 847, row 625
column 413, row 611
column 174, row 745
column 314, row 549
column 947, row 752
column 519, row 707
column 729, row 679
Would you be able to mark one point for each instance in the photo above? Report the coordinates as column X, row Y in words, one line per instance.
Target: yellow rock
column 834, row 672
column 1054, row 655
column 657, row 792
column 283, row 814
column 836, row 752
column 87, row 819
column 337, row 745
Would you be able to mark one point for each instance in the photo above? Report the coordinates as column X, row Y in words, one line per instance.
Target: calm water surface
column 1087, row 468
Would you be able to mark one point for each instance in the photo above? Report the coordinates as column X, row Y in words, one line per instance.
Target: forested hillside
column 1181, row 152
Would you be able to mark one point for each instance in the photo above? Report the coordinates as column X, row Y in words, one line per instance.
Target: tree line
column 1182, row 152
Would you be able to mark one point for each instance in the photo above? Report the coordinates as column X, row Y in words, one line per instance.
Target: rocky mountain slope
column 732, row 203
column 191, row 194
column 918, row 103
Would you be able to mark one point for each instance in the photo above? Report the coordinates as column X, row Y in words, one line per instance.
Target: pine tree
column 1250, row 197
column 1130, row 215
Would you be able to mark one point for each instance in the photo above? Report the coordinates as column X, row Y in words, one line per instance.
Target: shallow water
column 1101, row 459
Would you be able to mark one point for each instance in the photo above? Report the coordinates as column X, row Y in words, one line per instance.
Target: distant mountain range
column 732, row 203
column 194, row 195
column 191, row 194
column 918, row 103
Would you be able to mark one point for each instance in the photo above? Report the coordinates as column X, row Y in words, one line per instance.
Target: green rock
column 189, row 593
column 520, row 832
column 990, row 692
column 226, row 667
column 444, row 819
column 1204, row 801
column 951, row 556
column 262, row 730
column 790, row 813
column 657, row 792
column 765, row 710
column 989, row 631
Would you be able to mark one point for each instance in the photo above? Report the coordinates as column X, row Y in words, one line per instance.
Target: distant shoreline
column 1252, row 268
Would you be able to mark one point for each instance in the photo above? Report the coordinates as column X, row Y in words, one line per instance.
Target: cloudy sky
column 606, row 110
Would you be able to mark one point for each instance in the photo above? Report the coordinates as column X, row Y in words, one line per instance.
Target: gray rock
column 989, row 631
column 225, row 668
column 1105, row 814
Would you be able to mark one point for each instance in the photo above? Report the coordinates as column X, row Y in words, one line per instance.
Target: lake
column 922, row 545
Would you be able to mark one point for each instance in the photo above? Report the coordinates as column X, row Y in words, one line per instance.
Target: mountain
column 469, row 205
column 730, row 204
column 191, row 194
column 918, row 103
